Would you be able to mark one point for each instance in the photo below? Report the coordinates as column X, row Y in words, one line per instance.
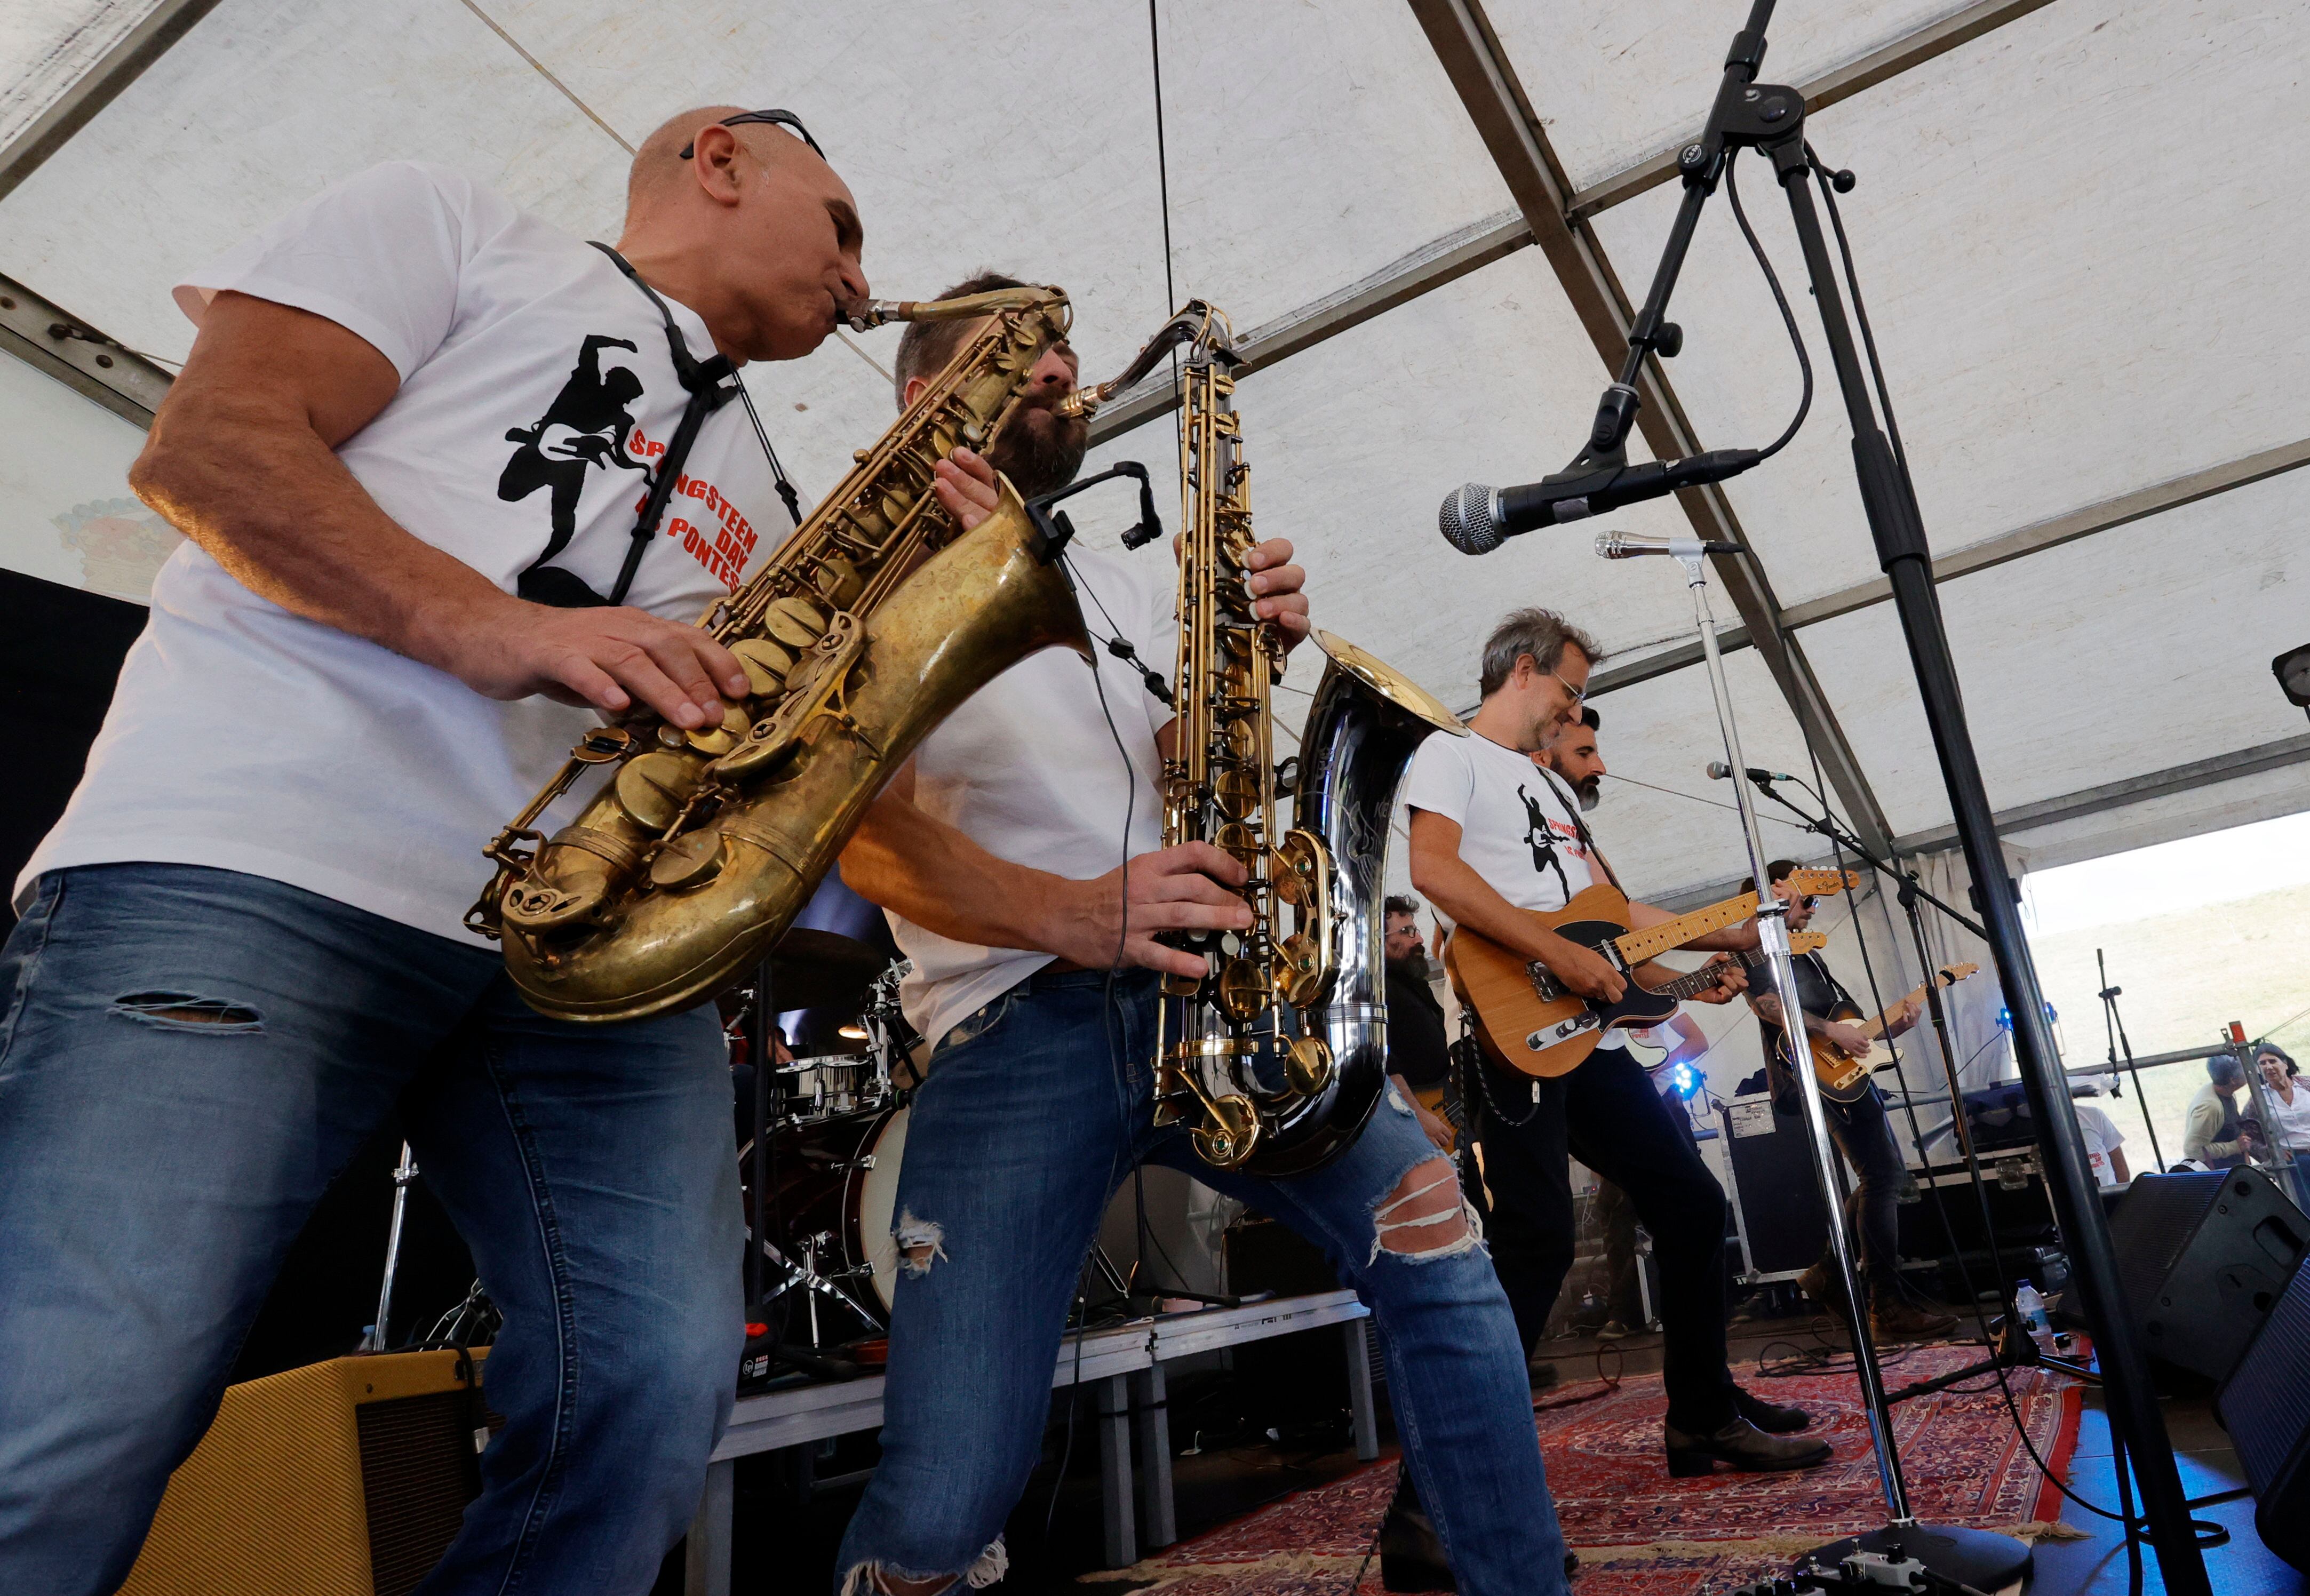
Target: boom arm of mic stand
column 1826, row 824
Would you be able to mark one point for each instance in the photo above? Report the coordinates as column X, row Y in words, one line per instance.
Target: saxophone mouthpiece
column 867, row 315
column 1079, row 405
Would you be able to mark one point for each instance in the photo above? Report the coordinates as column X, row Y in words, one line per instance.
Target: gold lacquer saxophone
column 1279, row 1050
column 867, row 627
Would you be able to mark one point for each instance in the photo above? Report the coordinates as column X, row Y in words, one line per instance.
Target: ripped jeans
column 188, row 1055
column 1035, row 1109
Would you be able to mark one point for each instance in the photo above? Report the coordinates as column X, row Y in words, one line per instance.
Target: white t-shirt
column 2289, row 1123
column 2102, row 1139
column 1028, row 769
column 1516, row 819
column 245, row 738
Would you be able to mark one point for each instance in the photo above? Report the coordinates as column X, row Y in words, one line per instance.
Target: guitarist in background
column 1418, row 1062
column 1860, row 1130
column 1493, row 835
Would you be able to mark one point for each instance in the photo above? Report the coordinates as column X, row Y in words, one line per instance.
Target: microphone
column 1628, row 545
column 1476, row 519
column 1718, row 770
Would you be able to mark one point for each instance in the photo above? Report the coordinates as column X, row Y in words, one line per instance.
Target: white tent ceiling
column 2080, row 251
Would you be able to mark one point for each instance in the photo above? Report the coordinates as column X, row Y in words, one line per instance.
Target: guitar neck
column 1636, row 946
column 1875, row 1028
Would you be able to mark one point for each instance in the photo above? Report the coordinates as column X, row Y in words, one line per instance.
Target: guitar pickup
column 1544, row 985
column 1563, row 1030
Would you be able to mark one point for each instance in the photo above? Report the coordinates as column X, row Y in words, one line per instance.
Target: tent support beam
column 93, row 89
column 2039, row 535
column 1911, row 50
column 1463, row 41
column 82, row 359
column 1455, row 256
column 1433, row 265
column 2049, row 812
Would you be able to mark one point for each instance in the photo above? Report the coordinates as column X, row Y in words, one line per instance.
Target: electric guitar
column 1843, row 1077
column 1542, row 1027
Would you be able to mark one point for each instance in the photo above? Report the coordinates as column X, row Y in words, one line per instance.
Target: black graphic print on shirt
column 587, row 426
column 1541, row 840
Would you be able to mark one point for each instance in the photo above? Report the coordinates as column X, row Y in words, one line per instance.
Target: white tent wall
column 2074, row 298
column 65, row 512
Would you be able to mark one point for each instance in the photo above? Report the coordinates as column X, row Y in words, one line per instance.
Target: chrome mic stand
column 1773, row 935
column 375, row 1341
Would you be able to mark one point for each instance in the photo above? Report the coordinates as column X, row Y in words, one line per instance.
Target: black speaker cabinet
column 2203, row 1256
column 2266, row 1408
column 1779, row 1195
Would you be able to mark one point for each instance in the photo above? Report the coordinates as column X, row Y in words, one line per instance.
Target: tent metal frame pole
column 2020, row 543
column 1463, row 41
column 93, row 89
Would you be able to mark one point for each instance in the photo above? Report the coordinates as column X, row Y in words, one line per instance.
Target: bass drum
column 837, row 1196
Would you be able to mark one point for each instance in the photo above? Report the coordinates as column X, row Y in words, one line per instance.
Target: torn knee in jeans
column 1425, row 1217
column 866, row 1579
column 1395, row 1100
column 182, row 1012
column 920, row 1242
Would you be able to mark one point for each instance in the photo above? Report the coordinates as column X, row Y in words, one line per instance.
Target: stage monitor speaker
column 2266, row 1408
column 2203, row 1256
column 341, row 1478
column 1779, row 1194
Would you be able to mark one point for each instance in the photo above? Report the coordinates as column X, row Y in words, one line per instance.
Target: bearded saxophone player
column 1039, row 955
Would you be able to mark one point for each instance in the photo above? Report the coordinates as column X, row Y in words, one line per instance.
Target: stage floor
column 783, row 1544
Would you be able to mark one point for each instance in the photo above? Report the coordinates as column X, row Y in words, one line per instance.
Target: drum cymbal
column 822, row 969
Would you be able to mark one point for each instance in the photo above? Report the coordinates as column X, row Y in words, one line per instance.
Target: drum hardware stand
column 761, row 1025
column 2114, row 1024
column 1769, row 117
column 376, row 1339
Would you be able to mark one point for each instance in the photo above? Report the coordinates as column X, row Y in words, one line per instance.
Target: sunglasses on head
column 777, row 119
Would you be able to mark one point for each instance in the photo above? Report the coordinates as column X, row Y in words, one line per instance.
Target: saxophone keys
column 714, row 742
column 793, row 621
column 687, row 861
column 652, row 789
column 1229, row 1130
column 1299, row 971
column 1244, row 987
column 1308, row 1065
column 766, row 664
column 603, row 744
column 837, row 581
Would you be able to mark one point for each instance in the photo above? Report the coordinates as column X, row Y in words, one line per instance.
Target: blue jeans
column 1035, row 1109
column 187, row 1056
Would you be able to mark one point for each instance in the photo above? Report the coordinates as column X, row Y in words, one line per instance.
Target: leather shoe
column 1770, row 1417
column 1744, row 1446
column 1820, row 1283
column 1894, row 1319
column 1412, row 1554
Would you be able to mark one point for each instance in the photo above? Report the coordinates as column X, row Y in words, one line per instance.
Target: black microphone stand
column 1770, row 118
column 2010, row 1348
column 2114, row 1023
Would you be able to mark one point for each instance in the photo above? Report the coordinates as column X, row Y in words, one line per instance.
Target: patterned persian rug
column 1640, row 1533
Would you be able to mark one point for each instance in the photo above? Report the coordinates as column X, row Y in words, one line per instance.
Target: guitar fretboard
column 1636, row 946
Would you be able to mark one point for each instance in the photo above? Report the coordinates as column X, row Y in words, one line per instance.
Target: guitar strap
column 1572, row 808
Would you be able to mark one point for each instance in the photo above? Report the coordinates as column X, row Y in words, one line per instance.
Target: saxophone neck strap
column 711, row 384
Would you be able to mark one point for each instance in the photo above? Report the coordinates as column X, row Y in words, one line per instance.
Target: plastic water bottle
column 2031, row 1309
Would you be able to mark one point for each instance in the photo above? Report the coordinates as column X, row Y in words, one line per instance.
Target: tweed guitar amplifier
column 341, row 1478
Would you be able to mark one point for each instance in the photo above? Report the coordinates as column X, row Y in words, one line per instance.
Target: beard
column 1590, row 791
column 1041, row 451
column 1415, row 963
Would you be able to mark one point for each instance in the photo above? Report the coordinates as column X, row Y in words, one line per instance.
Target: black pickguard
column 1636, row 1008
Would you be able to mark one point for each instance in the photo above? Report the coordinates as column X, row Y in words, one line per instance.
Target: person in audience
column 2105, row 1145
column 2211, row 1133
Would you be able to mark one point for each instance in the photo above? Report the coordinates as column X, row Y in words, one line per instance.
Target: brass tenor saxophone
column 1278, row 1051
column 865, row 628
